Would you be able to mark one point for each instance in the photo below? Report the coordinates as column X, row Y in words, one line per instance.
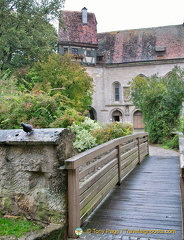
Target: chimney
column 84, row 16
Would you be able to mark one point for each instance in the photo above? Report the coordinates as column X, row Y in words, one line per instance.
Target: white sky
column 131, row 14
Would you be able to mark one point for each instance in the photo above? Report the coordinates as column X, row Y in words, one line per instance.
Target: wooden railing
column 181, row 149
column 93, row 173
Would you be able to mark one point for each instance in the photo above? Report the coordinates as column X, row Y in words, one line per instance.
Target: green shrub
column 112, row 130
column 160, row 100
column 90, row 133
column 171, row 142
column 84, row 138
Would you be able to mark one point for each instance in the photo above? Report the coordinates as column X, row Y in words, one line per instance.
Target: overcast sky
column 131, row 14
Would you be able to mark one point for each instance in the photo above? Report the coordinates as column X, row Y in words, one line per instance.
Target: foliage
column 59, row 75
column 37, row 108
column 172, row 142
column 90, row 133
column 55, row 93
column 25, row 31
column 84, row 138
column 16, row 227
column 112, row 130
column 181, row 126
column 67, row 118
column 160, row 100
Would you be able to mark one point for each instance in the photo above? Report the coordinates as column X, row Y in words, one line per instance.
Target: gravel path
column 158, row 151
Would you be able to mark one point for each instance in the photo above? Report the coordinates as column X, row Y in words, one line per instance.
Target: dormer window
column 160, row 51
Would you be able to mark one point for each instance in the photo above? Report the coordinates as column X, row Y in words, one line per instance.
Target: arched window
column 117, row 92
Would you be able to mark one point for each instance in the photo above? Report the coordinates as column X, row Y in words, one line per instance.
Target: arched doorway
column 117, row 116
column 138, row 120
column 92, row 114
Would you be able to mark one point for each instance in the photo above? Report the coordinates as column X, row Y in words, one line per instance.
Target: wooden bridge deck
column 148, row 199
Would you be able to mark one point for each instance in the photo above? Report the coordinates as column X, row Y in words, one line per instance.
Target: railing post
column 119, row 164
column 182, row 184
column 73, row 202
column 138, row 149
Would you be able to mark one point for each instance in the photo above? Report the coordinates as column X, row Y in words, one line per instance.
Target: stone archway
column 117, row 116
column 138, row 120
column 93, row 114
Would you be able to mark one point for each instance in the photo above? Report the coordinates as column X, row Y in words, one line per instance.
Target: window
column 75, row 51
column 99, row 58
column 160, row 51
column 88, row 53
column 116, row 92
column 65, row 50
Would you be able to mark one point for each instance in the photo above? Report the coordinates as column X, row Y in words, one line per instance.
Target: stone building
column 113, row 59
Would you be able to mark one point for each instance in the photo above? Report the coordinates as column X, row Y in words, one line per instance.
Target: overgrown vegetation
column 16, row 227
column 160, row 100
column 90, row 133
column 43, row 96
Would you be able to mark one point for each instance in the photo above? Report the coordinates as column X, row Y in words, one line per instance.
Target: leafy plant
column 84, row 138
column 172, row 142
column 160, row 100
column 90, row 133
column 112, row 130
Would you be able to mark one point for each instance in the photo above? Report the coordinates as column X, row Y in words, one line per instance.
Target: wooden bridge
column 146, row 204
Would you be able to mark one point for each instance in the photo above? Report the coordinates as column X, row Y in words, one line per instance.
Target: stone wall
column 32, row 181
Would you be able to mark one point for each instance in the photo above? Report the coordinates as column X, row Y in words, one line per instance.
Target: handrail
column 93, row 173
column 181, row 150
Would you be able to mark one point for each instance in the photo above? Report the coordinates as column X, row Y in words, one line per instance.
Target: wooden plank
column 128, row 160
column 129, row 168
column 128, row 146
column 97, row 186
column 127, row 154
column 97, row 199
column 82, row 158
column 119, row 164
column 98, row 163
column 148, row 199
column 91, row 180
column 73, row 201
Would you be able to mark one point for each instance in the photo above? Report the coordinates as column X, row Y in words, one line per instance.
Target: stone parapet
column 32, row 182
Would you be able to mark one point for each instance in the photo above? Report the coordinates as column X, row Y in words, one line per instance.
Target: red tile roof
column 74, row 32
column 142, row 44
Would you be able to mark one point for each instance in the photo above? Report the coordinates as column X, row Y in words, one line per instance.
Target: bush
column 84, row 138
column 160, row 100
column 90, row 133
column 171, row 142
column 112, row 130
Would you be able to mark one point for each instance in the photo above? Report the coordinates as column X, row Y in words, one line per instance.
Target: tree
column 160, row 100
column 25, row 31
column 58, row 75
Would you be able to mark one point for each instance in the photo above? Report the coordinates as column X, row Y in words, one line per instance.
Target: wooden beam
column 73, row 202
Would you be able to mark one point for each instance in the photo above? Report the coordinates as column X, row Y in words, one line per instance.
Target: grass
column 16, row 227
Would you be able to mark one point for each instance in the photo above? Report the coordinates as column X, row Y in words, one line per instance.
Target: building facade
column 118, row 57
